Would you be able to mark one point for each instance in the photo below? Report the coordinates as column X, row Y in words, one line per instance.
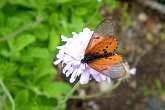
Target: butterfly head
column 87, row 59
column 84, row 60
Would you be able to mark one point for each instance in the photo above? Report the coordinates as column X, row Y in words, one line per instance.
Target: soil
column 141, row 45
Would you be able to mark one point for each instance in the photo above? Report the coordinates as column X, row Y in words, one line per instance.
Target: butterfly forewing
column 103, row 30
column 106, row 45
column 110, row 66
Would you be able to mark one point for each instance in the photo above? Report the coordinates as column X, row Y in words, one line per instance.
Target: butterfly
column 100, row 52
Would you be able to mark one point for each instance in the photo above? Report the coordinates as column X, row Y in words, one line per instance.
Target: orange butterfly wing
column 109, row 66
column 106, row 45
column 102, row 37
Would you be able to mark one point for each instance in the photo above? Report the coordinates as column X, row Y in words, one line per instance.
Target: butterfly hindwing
column 110, row 66
column 103, row 30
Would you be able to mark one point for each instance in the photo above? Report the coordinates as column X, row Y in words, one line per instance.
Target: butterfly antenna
column 71, row 56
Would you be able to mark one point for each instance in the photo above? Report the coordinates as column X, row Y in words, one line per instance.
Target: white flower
column 131, row 71
column 71, row 54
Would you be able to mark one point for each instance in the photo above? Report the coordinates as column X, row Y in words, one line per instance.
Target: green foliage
column 157, row 89
column 32, row 30
column 162, row 37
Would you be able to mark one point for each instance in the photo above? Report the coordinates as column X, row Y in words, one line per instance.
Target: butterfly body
column 89, row 58
column 100, row 52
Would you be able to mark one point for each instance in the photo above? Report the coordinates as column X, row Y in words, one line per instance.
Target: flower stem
column 97, row 94
column 8, row 94
column 67, row 96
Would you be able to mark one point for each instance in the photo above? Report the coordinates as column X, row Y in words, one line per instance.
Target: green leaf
column 37, row 52
column 55, row 89
column 54, row 41
column 44, row 72
column 2, row 19
column 41, row 32
column 80, row 11
column 20, row 2
column 23, row 40
column 162, row 37
column 7, row 69
column 40, row 4
column 26, row 3
column 22, row 97
column 41, row 107
column 78, row 22
column 62, row 1
column 5, row 31
column 63, row 25
column 159, row 87
column 2, row 3
column 11, row 43
column 33, row 54
column 25, row 70
column 53, row 19
column 113, row 5
column 18, row 20
column 25, row 58
column 5, row 53
column 158, row 83
column 147, row 91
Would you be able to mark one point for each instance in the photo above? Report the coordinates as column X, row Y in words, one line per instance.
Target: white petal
column 103, row 77
column 68, row 73
column 87, row 30
column 74, row 34
column 92, row 71
column 95, row 75
column 79, row 71
column 132, row 71
column 64, row 71
column 57, row 61
column 69, row 65
column 60, row 47
column 83, row 66
column 60, row 55
column 77, row 63
column 84, row 79
column 67, row 58
column 67, row 68
column 63, row 38
column 109, row 80
column 73, row 77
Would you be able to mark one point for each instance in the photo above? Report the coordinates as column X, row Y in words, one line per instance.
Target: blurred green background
column 30, row 32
